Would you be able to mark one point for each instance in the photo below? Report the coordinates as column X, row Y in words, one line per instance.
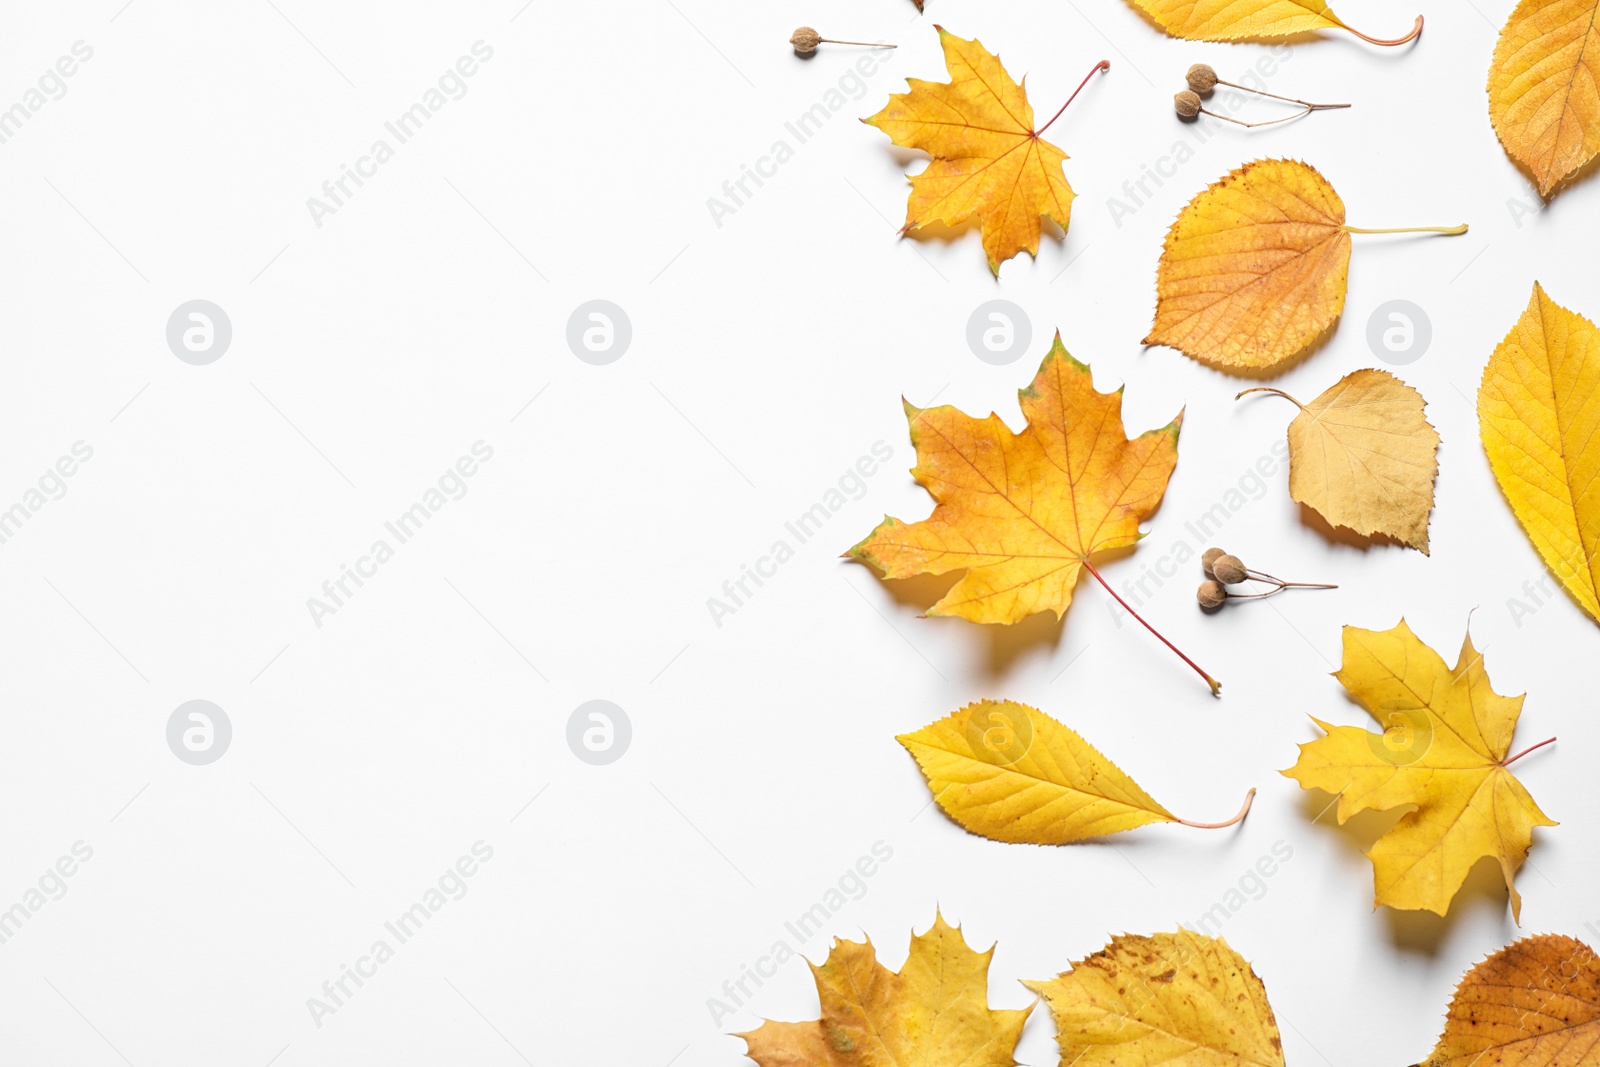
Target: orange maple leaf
column 988, row 161
column 1022, row 513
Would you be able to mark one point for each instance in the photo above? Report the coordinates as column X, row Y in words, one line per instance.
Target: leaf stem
column 1216, row 686
column 864, row 44
column 1104, row 64
column 1512, row 759
column 1450, row 231
column 1415, row 30
column 1270, row 389
column 1249, row 798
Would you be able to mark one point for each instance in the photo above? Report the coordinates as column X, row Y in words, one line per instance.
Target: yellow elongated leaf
column 1170, row 999
column 934, row 1013
column 1009, row 772
column 1544, row 88
column 1363, row 456
column 1445, row 735
column 1244, row 20
column 988, row 162
column 1256, row 267
column 1536, row 1001
column 1539, row 417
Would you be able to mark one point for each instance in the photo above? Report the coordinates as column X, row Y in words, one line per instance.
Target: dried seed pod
column 1208, row 560
column 1211, row 596
column 1202, row 79
column 1229, row 570
column 1187, row 105
column 805, row 40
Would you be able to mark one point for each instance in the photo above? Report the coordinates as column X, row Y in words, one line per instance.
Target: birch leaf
column 1170, row 999
column 1536, row 1001
column 1008, row 772
column 1544, row 88
column 1363, row 456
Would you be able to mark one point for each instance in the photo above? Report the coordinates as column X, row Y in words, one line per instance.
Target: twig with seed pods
column 806, row 39
column 1223, row 569
column 1203, row 80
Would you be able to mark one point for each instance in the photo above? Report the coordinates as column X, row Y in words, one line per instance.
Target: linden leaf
column 1539, row 417
column 988, row 161
column 1543, row 95
column 1443, row 749
column 1022, row 513
column 1535, row 1001
column 1180, row 998
column 1241, row 20
column 1255, row 267
column 934, row 1013
column 1362, row 456
column 1008, row 772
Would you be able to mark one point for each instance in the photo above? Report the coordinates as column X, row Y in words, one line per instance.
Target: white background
column 768, row 354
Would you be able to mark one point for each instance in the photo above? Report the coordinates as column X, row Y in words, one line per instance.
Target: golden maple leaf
column 1255, row 268
column 1539, row 417
column 1536, row 1001
column 1179, row 998
column 1009, row 772
column 988, row 161
column 1443, row 748
column 934, row 1013
column 1544, row 88
column 1022, row 513
column 1245, row 20
column 1362, row 456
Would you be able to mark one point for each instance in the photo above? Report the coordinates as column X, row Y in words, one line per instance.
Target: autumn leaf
column 988, row 161
column 1009, row 772
column 1255, row 267
column 1536, row 1001
column 1249, row 20
column 1544, row 99
column 1362, row 456
column 1445, row 734
column 934, row 1013
column 1539, row 417
column 1180, row 998
column 1023, row 513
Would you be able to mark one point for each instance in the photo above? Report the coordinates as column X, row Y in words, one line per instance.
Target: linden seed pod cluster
column 1224, row 569
column 1203, row 81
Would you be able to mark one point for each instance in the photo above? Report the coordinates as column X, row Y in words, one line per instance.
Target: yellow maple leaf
column 1362, row 456
column 1539, row 417
column 1022, row 513
column 1544, row 88
column 1009, row 772
column 1255, row 268
column 1536, row 1001
column 1445, row 734
column 988, row 161
column 1180, row 998
column 934, row 1013
column 1247, row 20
